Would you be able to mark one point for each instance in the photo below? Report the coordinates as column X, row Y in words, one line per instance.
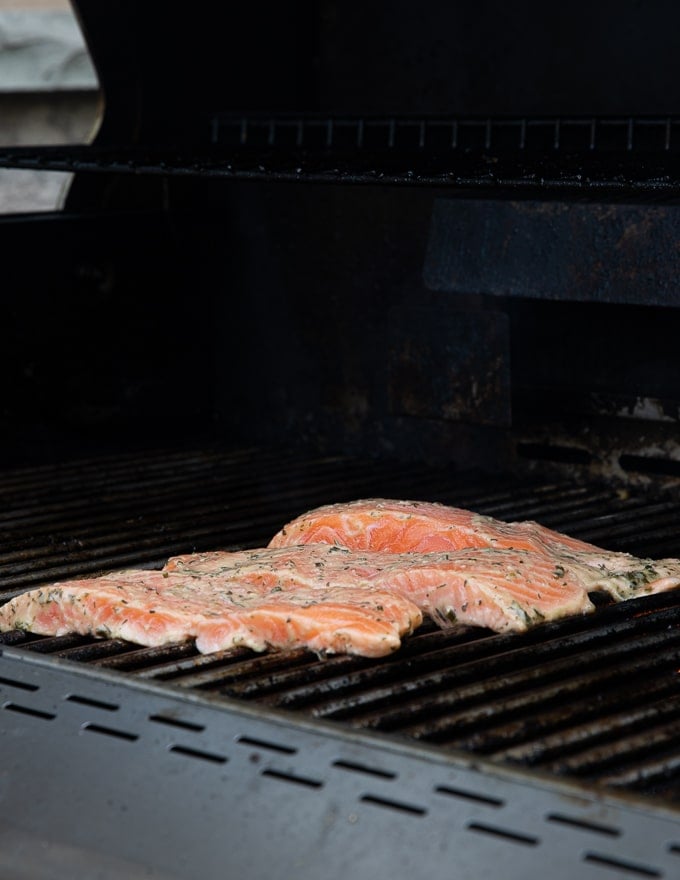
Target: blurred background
column 49, row 94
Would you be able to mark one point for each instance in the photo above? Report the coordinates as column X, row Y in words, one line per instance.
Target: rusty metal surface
column 450, row 364
column 594, row 253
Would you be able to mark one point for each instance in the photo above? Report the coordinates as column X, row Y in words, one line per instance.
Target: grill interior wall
column 307, row 321
column 301, row 314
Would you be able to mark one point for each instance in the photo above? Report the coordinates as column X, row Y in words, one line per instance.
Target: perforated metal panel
column 121, row 761
column 125, row 779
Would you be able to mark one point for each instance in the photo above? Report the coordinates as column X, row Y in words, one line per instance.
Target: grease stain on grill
column 292, row 778
column 199, row 754
column 388, row 803
column 504, row 833
column 615, row 864
column 113, row 732
column 29, row 710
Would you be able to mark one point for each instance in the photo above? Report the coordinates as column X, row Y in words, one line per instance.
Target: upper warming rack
column 515, row 156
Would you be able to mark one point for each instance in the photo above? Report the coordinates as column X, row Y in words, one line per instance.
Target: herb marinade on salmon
column 350, row 578
column 221, row 611
column 505, row 590
column 381, row 524
column 416, row 527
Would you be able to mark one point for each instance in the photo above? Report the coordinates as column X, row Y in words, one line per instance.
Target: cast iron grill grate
column 595, row 698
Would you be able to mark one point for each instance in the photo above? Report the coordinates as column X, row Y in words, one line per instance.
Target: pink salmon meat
column 348, row 578
column 505, row 590
column 380, row 524
column 257, row 601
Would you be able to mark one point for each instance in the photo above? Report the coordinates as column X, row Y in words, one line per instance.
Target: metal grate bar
column 611, row 714
column 131, row 523
column 532, row 714
column 512, row 658
column 654, row 740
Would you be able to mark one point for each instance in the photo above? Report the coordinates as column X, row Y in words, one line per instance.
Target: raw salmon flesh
column 350, row 578
column 380, row 524
column 223, row 611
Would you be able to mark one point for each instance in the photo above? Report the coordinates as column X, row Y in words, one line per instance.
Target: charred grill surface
column 596, row 698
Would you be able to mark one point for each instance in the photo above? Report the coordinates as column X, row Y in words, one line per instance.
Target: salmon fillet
column 381, row 524
column 331, row 598
column 505, row 590
column 220, row 611
column 417, row 527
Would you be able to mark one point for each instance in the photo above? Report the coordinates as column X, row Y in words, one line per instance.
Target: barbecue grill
column 313, row 256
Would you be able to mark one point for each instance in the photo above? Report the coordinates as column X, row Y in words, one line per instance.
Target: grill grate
column 596, row 698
